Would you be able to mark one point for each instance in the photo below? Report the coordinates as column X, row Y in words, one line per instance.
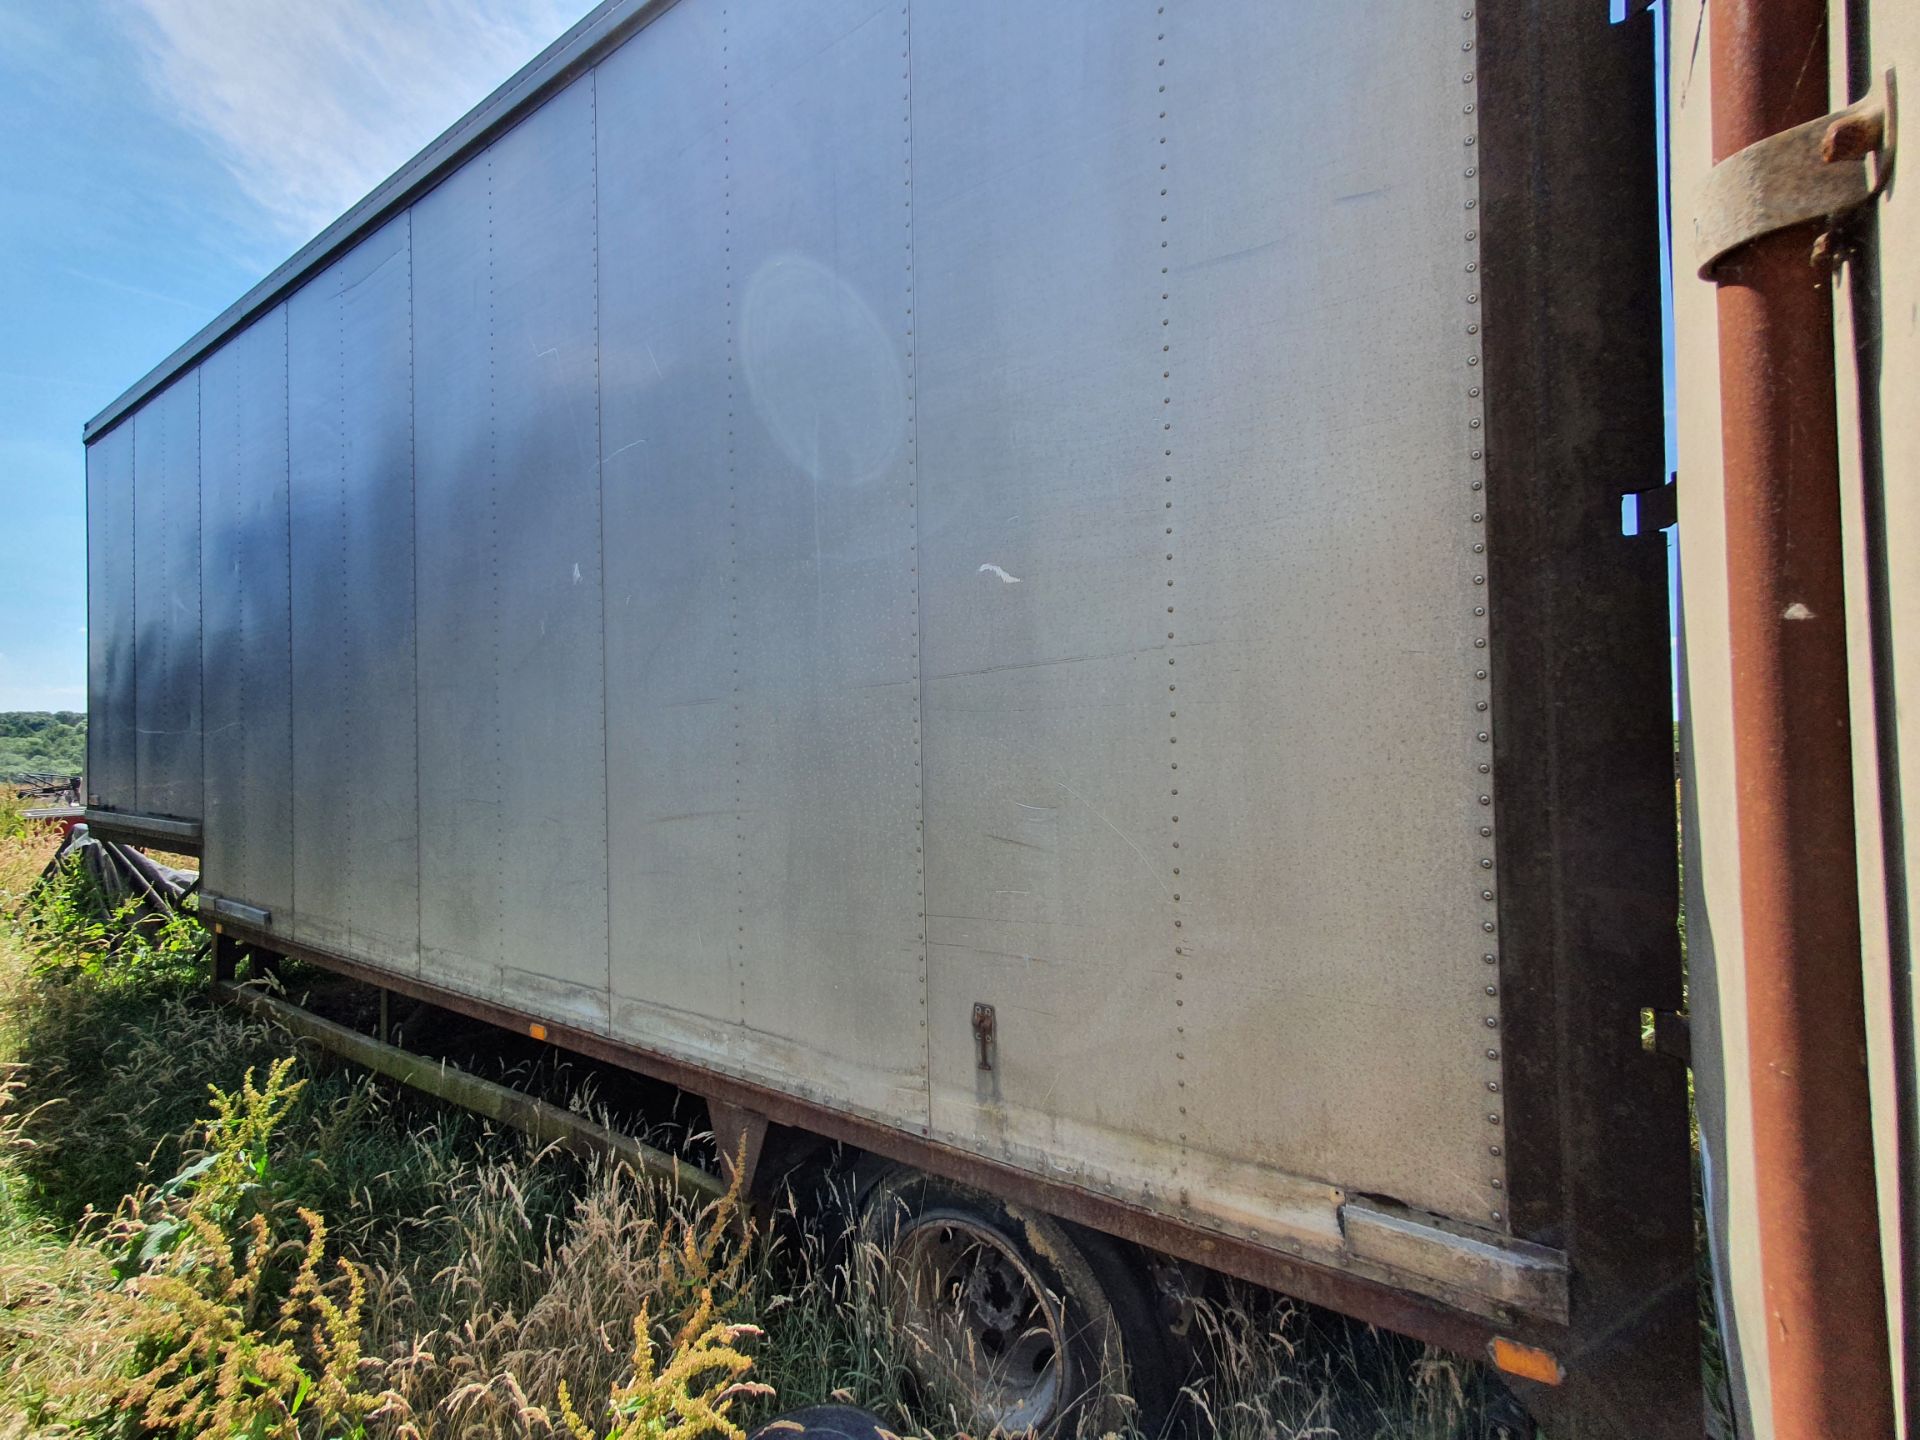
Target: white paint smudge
column 1796, row 611
column 1005, row 578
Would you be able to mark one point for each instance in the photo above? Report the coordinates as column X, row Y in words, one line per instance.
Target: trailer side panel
column 246, row 615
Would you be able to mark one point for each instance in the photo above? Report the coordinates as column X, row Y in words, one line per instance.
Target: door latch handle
column 983, row 1034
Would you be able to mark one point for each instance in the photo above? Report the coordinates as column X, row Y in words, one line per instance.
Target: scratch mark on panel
column 1145, row 863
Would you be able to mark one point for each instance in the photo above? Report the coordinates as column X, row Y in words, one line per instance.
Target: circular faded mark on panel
column 823, row 373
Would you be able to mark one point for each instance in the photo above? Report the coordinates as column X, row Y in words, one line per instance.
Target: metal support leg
column 739, row 1135
column 225, row 957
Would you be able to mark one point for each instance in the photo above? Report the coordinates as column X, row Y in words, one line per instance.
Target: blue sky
column 161, row 156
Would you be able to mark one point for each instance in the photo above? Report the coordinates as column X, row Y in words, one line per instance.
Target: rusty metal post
column 1829, row 1368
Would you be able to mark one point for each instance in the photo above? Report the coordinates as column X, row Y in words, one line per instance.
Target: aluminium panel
column 321, row 740
column 355, row 848
column 551, row 645
column 1327, row 466
column 110, row 622
column 675, row 772
column 825, row 515
column 166, row 588
column 1047, row 883
column 377, row 616
column 1200, row 622
column 457, row 542
column 245, row 609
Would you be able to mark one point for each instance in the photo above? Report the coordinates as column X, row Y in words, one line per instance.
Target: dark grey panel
column 824, row 522
column 355, row 853
column 458, row 541
column 244, row 617
column 547, row 490
column 166, row 585
column 674, row 763
column 110, row 622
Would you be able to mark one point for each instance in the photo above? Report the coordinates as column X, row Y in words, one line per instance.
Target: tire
column 1006, row 1313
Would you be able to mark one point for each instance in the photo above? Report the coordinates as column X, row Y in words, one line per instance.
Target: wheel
column 1003, row 1311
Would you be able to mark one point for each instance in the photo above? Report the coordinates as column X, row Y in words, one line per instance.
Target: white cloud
column 311, row 103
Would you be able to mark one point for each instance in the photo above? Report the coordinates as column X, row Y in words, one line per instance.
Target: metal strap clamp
column 1815, row 171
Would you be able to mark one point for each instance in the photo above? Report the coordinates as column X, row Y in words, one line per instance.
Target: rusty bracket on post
column 1816, row 171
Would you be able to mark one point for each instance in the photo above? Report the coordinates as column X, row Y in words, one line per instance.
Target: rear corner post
column 1598, row 1157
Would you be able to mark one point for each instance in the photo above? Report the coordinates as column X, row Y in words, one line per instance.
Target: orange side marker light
column 538, row 1032
column 1525, row 1361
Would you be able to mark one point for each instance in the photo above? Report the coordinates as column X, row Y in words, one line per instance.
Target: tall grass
column 489, row 1274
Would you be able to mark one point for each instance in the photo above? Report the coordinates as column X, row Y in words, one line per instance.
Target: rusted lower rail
column 544, row 1123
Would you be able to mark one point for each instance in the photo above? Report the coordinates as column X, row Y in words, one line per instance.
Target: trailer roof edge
column 608, row 24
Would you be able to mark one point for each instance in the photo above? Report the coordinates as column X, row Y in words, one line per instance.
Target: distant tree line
column 42, row 742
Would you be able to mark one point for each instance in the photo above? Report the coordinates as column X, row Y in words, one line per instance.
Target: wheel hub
column 982, row 1320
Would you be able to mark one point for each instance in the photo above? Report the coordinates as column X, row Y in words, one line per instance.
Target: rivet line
column 1486, row 950
column 600, row 515
column 733, row 530
column 347, row 795
column 493, row 555
column 1167, row 411
column 913, row 532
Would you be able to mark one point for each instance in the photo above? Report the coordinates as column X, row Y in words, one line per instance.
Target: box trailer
column 1036, row 589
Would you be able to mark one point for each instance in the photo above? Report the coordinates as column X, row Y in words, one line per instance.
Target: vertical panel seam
column 130, row 736
column 86, row 619
column 1489, row 1088
column 494, row 698
column 199, row 610
column 733, row 526
column 293, row 712
column 163, row 691
column 413, row 561
column 351, row 782
column 210, row 844
column 913, row 549
column 1163, row 208
column 600, row 534
column 199, row 738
